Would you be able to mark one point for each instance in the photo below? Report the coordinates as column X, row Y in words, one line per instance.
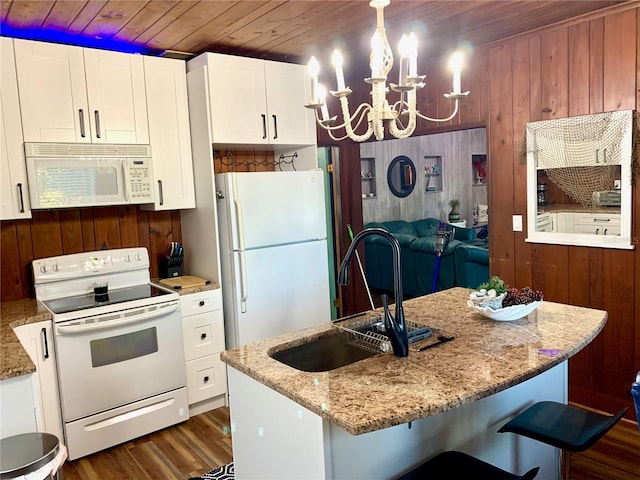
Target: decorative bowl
column 507, row 314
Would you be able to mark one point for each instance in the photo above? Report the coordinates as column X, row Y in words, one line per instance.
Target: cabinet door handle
column 203, row 336
column 45, row 342
column 264, row 126
column 21, row 198
column 597, row 231
column 275, row 127
column 96, row 114
column 81, row 118
column 160, row 192
column 201, row 303
column 606, row 230
column 206, row 378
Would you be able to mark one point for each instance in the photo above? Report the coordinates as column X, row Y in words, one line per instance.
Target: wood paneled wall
column 60, row 232
column 589, row 66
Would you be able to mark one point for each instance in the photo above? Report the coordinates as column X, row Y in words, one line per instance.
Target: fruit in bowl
column 496, row 300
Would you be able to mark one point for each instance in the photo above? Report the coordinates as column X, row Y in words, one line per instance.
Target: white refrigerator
column 273, row 248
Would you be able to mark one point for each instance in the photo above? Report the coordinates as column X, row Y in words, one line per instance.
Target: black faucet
column 395, row 327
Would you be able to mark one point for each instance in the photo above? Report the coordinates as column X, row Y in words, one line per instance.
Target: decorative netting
column 582, row 154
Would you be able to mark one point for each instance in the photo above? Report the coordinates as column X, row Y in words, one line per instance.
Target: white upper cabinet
column 256, row 102
column 169, row 133
column 13, row 174
column 89, row 96
column 289, row 121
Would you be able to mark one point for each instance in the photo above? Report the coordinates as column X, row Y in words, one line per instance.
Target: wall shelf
column 432, row 174
column 368, row 178
column 479, row 169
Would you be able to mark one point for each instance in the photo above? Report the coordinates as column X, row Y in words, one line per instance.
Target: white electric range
column 118, row 343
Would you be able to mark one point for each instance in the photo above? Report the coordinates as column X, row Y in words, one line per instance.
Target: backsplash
column 60, row 232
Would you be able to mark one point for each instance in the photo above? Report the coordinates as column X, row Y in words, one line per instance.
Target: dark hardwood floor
column 204, row 442
column 189, row 449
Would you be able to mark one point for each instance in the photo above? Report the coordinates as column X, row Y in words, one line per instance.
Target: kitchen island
column 379, row 417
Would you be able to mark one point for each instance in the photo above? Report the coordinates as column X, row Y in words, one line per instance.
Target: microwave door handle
column 65, row 329
column 96, row 114
column 160, row 192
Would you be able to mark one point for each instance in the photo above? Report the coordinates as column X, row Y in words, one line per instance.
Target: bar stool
column 33, row 456
column 454, row 464
column 563, row 426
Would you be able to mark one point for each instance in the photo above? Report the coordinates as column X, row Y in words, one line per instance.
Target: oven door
column 113, row 359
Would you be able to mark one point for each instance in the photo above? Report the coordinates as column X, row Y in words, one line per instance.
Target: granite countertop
column 570, row 208
column 382, row 391
column 14, row 359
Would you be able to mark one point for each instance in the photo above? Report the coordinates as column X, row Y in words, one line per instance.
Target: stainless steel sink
column 323, row 354
column 343, row 345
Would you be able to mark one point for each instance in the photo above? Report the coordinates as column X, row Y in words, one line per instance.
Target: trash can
column 31, row 456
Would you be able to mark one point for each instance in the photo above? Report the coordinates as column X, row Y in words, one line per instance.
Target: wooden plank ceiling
column 284, row 30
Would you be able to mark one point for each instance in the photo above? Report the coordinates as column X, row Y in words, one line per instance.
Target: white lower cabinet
column 17, row 407
column 37, row 340
column 203, row 336
column 589, row 223
column 597, row 223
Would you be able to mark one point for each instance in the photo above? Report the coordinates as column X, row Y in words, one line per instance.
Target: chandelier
column 399, row 117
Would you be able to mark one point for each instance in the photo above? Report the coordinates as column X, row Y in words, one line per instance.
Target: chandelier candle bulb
column 314, row 68
column 377, row 52
column 404, row 49
column 456, row 67
column 337, row 64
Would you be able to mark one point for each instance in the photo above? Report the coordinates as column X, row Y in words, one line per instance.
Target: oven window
column 120, row 348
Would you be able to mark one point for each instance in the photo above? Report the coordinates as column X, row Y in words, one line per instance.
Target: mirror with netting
column 579, row 179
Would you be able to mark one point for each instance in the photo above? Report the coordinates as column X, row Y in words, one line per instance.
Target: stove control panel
column 87, row 264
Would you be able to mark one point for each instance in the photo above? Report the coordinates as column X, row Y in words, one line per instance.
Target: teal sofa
column 418, row 258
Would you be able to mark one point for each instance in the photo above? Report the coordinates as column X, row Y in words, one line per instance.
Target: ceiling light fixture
column 380, row 112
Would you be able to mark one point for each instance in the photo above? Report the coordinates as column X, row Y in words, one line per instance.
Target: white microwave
column 63, row 175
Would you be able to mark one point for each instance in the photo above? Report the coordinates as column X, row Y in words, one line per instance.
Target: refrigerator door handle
column 240, row 234
column 243, row 282
column 239, row 217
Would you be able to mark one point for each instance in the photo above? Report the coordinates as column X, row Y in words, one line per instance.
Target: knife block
column 171, row 266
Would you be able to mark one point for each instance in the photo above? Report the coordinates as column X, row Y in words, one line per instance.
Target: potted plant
column 454, row 214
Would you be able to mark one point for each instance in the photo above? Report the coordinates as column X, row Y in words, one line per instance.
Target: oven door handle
column 71, row 328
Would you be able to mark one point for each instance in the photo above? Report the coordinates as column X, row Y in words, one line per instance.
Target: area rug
column 224, row 472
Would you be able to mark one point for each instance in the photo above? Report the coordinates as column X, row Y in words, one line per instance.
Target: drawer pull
column 203, row 336
column 206, row 378
column 201, row 303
